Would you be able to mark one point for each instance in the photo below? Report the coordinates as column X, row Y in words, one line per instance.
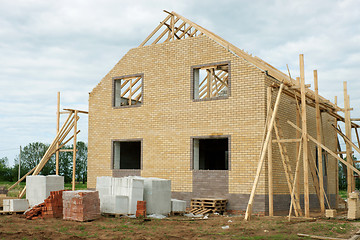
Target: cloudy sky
column 69, row 45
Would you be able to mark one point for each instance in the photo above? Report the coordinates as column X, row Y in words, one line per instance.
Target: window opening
column 128, row 91
column 211, row 153
column 211, row 81
column 127, row 155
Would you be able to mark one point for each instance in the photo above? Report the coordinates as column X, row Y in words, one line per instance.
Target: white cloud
column 68, row 46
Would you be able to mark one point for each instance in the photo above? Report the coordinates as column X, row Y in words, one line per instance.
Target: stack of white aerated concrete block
column 38, row 187
column 120, row 195
column 157, row 194
column 353, row 206
column 15, row 205
column 178, row 206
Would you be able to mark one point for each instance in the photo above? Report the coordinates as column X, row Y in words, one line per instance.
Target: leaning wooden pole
column 304, row 137
column 298, row 135
column 319, row 138
column 337, row 164
column 74, row 152
column 350, row 174
column 270, row 161
column 262, row 155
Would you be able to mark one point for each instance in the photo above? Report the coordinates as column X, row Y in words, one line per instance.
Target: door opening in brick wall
column 211, row 153
column 128, row 90
column 211, row 81
column 127, row 155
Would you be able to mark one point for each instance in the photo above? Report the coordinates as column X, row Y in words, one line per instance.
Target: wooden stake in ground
column 57, row 131
column 270, row 164
column 74, row 152
column 304, row 137
column 319, row 138
column 350, row 174
column 262, row 155
column 298, row 135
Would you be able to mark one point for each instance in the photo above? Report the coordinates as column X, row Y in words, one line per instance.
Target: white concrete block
column 15, row 205
column 38, row 187
column 178, row 205
column 114, row 204
column 104, row 186
column 157, row 194
column 136, row 193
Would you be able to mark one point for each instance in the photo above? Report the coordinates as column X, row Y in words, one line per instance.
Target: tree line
column 32, row 154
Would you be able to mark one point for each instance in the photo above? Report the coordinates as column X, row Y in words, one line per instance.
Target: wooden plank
column 79, row 111
column 155, row 30
column 74, row 152
column 262, row 154
column 319, row 138
column 346, row 139
column 21, row 179
column 304, row 137
column 270, row 161
column 326, row 149
column 57, row 131
column 292, row 196
column 355, row 119
column 298, row 135
column 287, row 140
column 287, row 170
column 357, row 137
column 350, row 174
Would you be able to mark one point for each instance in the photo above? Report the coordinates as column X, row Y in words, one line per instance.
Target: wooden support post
column 74, row 152
column 57, row 131
column 337, row 166
column 270, row 163
column 298, row 135
column 295, row 179
column 350, row 174
column 262, row 155
column 319, row 138
column 304, row 137
column 326, row 149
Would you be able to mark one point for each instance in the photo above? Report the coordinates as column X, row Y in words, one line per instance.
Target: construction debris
column 35, row 212
column 330, row 213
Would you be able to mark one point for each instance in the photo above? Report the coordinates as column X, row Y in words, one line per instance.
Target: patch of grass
column 63, row 229
column 343, row 194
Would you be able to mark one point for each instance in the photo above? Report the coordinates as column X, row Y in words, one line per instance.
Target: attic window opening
column 127, row 155
column 128, row 90
column 211, row 153
column 211, row 81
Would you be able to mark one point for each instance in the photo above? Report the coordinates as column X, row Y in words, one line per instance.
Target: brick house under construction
column 188, row 106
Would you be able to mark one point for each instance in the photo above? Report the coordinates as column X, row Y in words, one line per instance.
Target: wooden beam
column 304, row 137
column 350, row 175
column 270, row 161
column 79, row 111
column 262, row 154
column 355, row 119
column 57, row 131
column 74, row 153
column 347, row 141
column 319, row 138
column 292, row 196
column 155, row 30
column 287, row 140
column 298, row 145
column 287, row 170
column 326, row 149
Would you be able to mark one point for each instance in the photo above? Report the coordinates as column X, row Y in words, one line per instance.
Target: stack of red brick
column 52, row 207
column 141, row 209
column 81, row 205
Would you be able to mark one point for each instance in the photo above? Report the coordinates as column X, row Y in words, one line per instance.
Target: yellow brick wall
column 168, row 117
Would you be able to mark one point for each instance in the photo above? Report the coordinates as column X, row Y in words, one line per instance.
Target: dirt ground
column 175, row 227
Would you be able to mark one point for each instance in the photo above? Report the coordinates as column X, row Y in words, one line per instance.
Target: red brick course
column 141, row 209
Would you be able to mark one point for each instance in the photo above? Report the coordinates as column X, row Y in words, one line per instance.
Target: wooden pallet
column 204, row 205
column 11, row 213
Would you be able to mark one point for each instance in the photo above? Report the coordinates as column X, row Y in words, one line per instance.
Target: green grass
column 343, row 194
